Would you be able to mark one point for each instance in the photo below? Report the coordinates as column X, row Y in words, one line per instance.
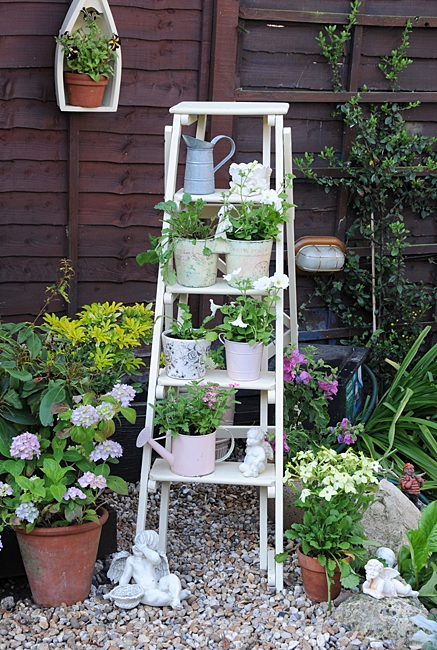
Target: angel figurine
column 258, row 451
column 381, row 582
column 148, row 568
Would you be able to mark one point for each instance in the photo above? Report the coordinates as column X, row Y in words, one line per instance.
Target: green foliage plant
column 333, row 44
column 393, row 64
column 64, row 357
column 403, row 425
column 184, row 222
column 56, row 476
column 182, row 327
column 251, row 318
column 336, row 491
column 389, row 170
column 197, row 412
column 417, row 562
column 257, row 215
column 87, row 50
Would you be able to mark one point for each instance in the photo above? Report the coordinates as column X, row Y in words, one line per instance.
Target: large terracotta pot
column 59, row 562
column 84, row 91
column 314, row 578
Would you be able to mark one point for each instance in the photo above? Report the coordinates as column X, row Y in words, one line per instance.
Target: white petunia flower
column 262, row 284
column 270, row 197
column 238, row 322
column 280, row 280
column 229, row 277
column 213, row 306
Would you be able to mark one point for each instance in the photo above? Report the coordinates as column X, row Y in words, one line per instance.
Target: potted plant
column 189, row 238
column 192, row 419
column 185, row 347
column 336, row 491
column 251, row 225
column 52, row 491
column 90, row 55
column 248, row 323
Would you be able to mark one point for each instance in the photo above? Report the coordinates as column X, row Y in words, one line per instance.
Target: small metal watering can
column 190, row 455
column 199, row 168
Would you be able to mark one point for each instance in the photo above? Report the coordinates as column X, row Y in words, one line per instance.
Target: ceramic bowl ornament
column 250, row 178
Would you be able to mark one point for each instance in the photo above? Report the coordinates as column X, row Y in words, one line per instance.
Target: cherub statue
column 381, row 582
column 258, row 450
column 148, row 568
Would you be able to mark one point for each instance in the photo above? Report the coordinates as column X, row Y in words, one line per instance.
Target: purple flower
column 123, row 394
column 297, row 358
column 345, row 424
column 95, row 481
column 25, row 446
column 347, row 438
column 106, row 449
column 1, row 544
column 74, row 493
column 284, row 443
column 85, row 416
column 5, row 490
column 27, row 511
column 289, row 373
column 329, row 387
column 303, row 378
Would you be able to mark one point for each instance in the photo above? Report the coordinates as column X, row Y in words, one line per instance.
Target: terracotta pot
column 59, row 562
column 84, row 91
column 314, row 579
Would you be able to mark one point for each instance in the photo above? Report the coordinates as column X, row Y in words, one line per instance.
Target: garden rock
column 389, row 517
column 388, row 618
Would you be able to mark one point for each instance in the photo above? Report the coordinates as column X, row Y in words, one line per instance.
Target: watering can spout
column 144, row 437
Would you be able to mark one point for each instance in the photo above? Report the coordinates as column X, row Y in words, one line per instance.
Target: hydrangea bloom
column 95, row 481
column 74, row 493
column 25, row 446
column 5, row 490
column 123, row 394
column 27, row 511
column 85, row 416
column 106, row 411
column 105, row 450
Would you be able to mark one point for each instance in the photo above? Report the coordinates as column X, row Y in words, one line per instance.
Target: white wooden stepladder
column 270, row 383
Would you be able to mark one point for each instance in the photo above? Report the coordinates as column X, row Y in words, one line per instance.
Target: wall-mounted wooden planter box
column 73, row 20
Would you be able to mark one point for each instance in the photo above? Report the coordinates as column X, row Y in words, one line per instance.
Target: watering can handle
column 230, row 154
column 231, row 447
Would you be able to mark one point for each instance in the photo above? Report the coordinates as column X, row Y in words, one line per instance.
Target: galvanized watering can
column 199, row 168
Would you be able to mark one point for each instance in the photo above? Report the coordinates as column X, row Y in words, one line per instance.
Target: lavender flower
column 106, row 449
column 27, row 511
column 95, row 481
column 123, row 394
column 74, row 493
column 85, row 416
column 5, row 490
column 25, row 446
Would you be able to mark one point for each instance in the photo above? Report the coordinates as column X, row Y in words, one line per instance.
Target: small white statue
column 386, row 554
column 148, row 568
column 381, row 582
column 258, row 451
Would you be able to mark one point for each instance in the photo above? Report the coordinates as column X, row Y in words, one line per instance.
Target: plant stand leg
column 263, row 528
column 163, row 515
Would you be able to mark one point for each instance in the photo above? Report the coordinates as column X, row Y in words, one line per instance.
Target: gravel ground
column 213, row 537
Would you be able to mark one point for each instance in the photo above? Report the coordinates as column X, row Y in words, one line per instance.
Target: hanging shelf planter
column 73, row 21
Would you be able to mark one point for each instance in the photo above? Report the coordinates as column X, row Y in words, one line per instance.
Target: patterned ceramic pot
column 185, row 359
column 193, row 268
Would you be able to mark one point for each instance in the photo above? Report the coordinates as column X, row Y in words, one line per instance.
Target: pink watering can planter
column 190, row 455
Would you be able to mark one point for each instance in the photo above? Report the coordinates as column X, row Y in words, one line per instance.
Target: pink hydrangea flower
column 25, row 446
column 94, row 481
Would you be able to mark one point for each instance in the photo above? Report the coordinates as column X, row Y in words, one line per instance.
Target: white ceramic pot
column 253, row 257
column 193, row 268
column 243, row 361
column 185, row 359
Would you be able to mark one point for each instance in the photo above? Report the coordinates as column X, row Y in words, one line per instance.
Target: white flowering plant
column 259, row 211
column 250, row 318
column 336, row 491
column 57, row 476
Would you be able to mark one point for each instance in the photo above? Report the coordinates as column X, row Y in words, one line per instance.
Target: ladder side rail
column 292, row 293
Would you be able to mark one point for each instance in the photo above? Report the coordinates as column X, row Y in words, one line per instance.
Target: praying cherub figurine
column 381, row 582
column 258, row 451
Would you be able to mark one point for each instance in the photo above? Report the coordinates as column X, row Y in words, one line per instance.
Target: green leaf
column 53, row 470
column 54, row 394
column 281, row 557
column 419, row 549
column 14, row 467
column 429, row 589
column 129, row 413
column 22, row 375
column 117, row 484
column 58, row 490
